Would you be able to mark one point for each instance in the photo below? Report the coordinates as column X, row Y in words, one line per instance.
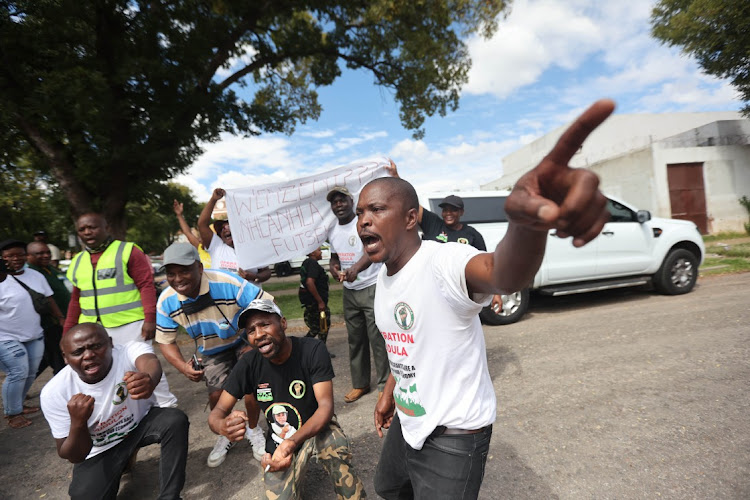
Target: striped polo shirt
column 230, row 294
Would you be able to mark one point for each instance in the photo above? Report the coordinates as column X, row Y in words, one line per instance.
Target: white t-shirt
column 224, row 257
column 345, row 242
column 435, row 342
column 18, row 319
column 114, row 415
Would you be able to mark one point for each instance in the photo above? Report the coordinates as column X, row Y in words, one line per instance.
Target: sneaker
column 219, row 453
column 257, row 441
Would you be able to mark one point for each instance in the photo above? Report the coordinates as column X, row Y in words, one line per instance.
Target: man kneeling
column 291, row 379
column 101, row 409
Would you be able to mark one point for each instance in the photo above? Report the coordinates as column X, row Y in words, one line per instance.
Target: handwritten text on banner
column 277, row 222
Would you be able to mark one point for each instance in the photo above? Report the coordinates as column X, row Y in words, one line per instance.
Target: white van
column 633, row 249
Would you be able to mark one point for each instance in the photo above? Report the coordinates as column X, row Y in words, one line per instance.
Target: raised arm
column 77, row 445
column 141, row 383
column 282, row 457
column 204, row 221
column 550, row 196
column 184, row 226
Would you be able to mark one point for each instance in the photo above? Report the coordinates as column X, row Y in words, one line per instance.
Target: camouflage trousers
column 334, row 454
column 312, row 320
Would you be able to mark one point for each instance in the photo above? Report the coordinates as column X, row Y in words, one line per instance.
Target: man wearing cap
column 113, row 285
column 207, row 304
column 42, row 237
column 289, row 376
column 349, row 264
column 220, row 245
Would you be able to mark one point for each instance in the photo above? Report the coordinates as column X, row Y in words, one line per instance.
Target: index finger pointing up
column 579, row 130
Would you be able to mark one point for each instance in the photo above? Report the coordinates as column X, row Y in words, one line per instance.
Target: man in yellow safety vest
column 114, row 286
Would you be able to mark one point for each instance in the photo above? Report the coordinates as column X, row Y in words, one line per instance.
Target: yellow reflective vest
column 110, row 295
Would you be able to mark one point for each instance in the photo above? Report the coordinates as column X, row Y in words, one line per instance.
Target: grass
column 292, row 309
column 726, row 258
column 710, row 238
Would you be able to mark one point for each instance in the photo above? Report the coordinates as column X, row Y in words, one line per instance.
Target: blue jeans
column 19, row 360
column 448, row 467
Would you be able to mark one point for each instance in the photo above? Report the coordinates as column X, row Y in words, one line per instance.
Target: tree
column 28, row 204
column 152, row 224
column 715, row 32
column 117, row 95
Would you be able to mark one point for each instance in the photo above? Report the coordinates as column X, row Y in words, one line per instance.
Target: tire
column 282, row 269
column 678, row 273
column 515, row 306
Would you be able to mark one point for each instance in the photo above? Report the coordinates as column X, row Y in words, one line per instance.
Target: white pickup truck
column 633, row 249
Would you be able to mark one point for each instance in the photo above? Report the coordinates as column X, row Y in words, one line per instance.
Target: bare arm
column 334, row 265
column 204, row 221
column 77, row 445
column 222, row 420
column 385, row 406
column 359, row 266
column 282, row 457
column 550, row 196
column 141, row 383
column 310, row 286
column 56, row 312
column 263, row 274
column 184, row 226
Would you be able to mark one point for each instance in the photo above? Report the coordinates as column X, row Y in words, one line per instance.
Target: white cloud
column 535, row 36
column 317, row 134
column 460, row 166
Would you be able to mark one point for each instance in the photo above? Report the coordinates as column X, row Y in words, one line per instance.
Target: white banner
column 278, row 222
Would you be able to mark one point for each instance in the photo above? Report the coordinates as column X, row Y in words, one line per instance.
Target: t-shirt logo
column 404, row 315
column 264, row 394
column 297, row 389
column 442, row 237
column 463, row 240
column 121, row 393
column 352, row 241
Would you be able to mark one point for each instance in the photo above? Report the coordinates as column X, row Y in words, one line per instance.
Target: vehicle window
column 476, row 210
column 620, row 213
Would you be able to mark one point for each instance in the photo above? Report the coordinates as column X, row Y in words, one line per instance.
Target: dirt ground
column 620, row 394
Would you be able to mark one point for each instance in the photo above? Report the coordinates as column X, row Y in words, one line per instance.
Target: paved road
column 622, row 394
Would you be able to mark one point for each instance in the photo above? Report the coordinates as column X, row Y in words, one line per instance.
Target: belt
column 442, row 430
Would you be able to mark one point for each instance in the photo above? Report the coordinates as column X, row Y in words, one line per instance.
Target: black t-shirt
column 311, row 269
column 285, row 388
column 434, row 229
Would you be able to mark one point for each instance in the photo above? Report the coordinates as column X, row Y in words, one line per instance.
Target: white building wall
column 619, row 135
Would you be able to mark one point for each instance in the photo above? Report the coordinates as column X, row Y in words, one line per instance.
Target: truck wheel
column 678, row 273
column 514, row 307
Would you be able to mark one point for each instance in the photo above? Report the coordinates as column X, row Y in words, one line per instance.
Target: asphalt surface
column 621, row 394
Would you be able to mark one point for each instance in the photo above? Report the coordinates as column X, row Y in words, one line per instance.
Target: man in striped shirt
column 206, row 304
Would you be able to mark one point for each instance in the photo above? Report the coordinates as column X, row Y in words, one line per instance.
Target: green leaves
column 120, row 94
column 715, row 32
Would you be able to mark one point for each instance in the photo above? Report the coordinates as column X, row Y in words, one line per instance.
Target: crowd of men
column 411, row 303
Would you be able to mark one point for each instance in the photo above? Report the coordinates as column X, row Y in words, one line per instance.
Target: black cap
column 12, row 243
column 452, row 200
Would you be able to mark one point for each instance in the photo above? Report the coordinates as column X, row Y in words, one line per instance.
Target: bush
column 745, row 202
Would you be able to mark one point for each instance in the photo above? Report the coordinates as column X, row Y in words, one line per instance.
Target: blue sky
column 548, row 60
